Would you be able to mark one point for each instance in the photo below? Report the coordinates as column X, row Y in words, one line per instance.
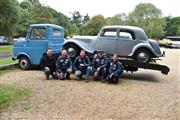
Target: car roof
column 45, row 25
column 123, row 27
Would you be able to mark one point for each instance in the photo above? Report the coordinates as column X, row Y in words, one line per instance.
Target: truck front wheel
column 24, row 63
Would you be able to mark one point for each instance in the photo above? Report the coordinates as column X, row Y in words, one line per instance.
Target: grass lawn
column 7, row 48
column 10, row 94
column 7, row 61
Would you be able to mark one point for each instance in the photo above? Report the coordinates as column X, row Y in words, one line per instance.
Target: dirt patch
column 144, row 95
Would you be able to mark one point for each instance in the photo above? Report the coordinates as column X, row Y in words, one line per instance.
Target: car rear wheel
column 24, row 63
column 72, row 50
column 143, row 55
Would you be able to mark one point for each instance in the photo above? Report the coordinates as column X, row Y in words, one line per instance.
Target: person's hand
column 98, row 69
column 69, row 70
column 82, row 65
column 111, row 75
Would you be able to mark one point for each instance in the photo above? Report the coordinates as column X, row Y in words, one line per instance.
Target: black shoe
column 103, row 81
column 47, row 77
column 87, row 80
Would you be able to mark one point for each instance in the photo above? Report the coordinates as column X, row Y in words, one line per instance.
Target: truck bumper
column 13, row 58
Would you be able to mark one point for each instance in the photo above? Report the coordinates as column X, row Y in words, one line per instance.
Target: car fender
column 83, row 45
column 143, row 45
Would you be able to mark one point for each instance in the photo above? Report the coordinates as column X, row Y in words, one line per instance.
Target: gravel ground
column 144, row 95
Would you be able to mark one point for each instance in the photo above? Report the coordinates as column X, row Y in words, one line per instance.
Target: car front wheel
column 24, row 63
column 72, row 50
column 143, row 55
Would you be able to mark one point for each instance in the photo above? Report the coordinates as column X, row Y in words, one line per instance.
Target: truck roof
column 124, row 26
column 45, row 25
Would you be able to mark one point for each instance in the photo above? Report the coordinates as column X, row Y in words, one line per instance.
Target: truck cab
column 39, row 37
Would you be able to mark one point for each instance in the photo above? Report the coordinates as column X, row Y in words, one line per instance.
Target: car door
column 106, row 41
column 56, row 39
column 125, row 42
column 37, row 43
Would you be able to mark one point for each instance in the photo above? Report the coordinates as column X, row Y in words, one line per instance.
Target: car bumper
column 162, row 54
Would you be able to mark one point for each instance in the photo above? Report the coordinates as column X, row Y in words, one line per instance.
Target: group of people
column 103, row 68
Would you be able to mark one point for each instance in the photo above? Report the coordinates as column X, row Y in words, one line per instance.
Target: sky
column 109, row 8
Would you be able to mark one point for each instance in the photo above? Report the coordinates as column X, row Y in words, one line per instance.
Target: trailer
column 133, row 65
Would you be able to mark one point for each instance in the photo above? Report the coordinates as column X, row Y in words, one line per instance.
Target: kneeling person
column 48, row 62
column 115, row 70
column 82, row 65
column 99, row 64
column 64, row 66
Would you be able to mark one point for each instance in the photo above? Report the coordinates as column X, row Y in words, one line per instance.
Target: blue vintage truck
column 39, row 37
column 42, row 36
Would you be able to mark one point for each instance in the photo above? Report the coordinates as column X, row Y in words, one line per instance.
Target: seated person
column 115, row 70
column 82, row 65
column 64, row 66
column 99, row 65
column 48, row 62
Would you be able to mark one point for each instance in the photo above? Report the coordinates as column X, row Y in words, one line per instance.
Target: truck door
column 125, row 42
column 106, row 41
column 56, row 39
column 37, row 43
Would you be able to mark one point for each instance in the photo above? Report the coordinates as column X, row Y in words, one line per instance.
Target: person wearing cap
column 115, row 70
column 99, row 65
column 64, row 66
column 48, row 63
column 82, row 65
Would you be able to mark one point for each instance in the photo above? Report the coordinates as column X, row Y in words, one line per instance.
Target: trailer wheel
column 24, row 63
column 143, row 55
column 72, row 50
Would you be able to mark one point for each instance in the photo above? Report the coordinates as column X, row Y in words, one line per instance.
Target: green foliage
column 148, row 17
column 93, row 26
column 10, row 14
column 9, row 94
column 173, row 26
column 73, row 30
column 16, row 18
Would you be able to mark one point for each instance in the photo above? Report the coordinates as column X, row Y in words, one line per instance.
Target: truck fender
column 24, row 54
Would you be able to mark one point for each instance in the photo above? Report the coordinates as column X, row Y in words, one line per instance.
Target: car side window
column 127, row 35
column 57, row 33
column 38, row 33
column 108, row 33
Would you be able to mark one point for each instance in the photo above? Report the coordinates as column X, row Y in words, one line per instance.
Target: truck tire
column 143, row 55
column 72, row 50
column 24, row 63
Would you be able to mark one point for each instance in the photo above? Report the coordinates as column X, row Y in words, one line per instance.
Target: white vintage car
column 125, row 41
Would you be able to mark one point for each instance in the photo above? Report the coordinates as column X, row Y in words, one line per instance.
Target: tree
column 119, row 19
column 10, row 15
column 173, row 26
column 93, row 26
column 148, row 17
column 73, row 30
column 77, row 18
column 85, row 19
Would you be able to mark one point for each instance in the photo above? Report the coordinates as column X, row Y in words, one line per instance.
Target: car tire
column 143, row 55
column 24, row 63
column 72, row 50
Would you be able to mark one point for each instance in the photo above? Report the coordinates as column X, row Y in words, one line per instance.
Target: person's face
column 82, row 53
column 115, row 58
column 100, row 54
column 49, row 52
column 64, row 53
